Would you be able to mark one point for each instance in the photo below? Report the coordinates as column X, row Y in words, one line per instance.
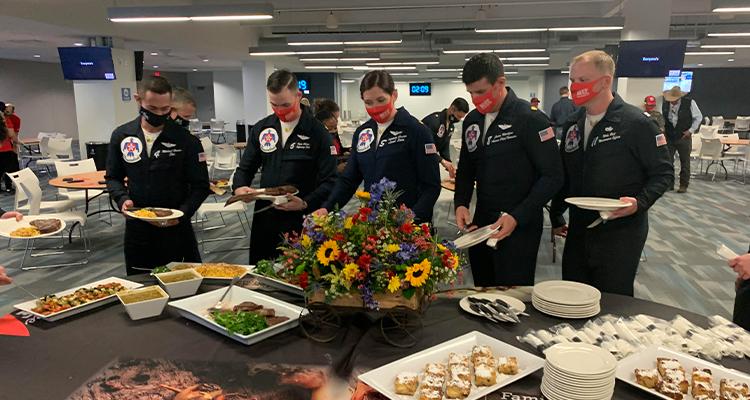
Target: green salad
column 240, row 322
column 266, row 268
column 159, row 270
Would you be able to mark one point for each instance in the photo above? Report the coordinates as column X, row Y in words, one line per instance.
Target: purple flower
column 450, row 245
column 368, row 297
column 317, row 236
column 407, row 251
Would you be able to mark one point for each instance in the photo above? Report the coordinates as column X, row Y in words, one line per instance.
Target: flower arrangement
column 378, row 249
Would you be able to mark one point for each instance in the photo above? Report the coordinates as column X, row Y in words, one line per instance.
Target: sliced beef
column 247, row 306
column 276, row 320
column 46, row 225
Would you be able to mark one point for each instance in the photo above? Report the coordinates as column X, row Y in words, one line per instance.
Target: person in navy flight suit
column 290, row 147
column 510, row 153
column 394, row 145
column 164, row 167
column 442, row 124
column 609, row 149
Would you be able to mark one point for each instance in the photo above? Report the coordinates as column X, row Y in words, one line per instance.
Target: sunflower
column 362, row 195
column 350, row 271
column 394, row 284
column 417, row 274
column 328, row 252
column 392, row 248
column 306, row 241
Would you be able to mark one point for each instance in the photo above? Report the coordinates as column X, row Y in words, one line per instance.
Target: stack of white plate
column 566, row 299
column 578, row 371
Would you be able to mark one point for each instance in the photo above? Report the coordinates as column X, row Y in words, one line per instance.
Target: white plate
column 27, row 306
column 382, row 379
column 647, row 359
column 513, row 302
column 175, row 214
column 475, row 237
column 567, row 293
column 9, row 225
column 581, row 359
column 568, row 315
column 279, row 284
column 596, row 203
column 196, row 309
column 209, row 279
column 562, row 306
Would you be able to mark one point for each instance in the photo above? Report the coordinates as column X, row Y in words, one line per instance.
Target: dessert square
column 676, row 377
column 507, row 365
column 406, row 383
column 731, row 386
column 702, row 388
column 457, row 388
column 485, row 375
column 480, row 351
column 664, row 364
column 647, row 377
column 670, row 390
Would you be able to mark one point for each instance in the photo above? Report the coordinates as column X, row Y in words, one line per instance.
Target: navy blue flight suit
column 626, row 156
column 175, row 176
column 442, row 130
column 405, row 155
column 517, row 169
column 306, row 161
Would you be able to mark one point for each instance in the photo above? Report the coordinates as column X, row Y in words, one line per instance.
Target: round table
column 85, row 181
column 60, row 357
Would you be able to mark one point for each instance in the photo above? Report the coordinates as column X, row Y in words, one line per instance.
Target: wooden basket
column 386, row 301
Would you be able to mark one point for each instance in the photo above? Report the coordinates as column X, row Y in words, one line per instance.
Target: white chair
column 217, row 129
column 711, row 150
column 225, row 158
column 708, row 132
column 744, row 159
column 742, row 125
column 58, row 149
column 33, row 204
column 696, row 146
column 706, row 120
column 65, row 168
column 718, row 121
column 219, row 208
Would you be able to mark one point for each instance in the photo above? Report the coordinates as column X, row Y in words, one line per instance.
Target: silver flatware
column 218, row 306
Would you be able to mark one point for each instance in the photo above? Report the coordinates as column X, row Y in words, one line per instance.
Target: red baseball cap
column 650, row 100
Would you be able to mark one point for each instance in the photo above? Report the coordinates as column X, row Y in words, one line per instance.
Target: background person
column 561, row 111
column 183, row 107
column 683, row 120
column 8, row 155
column 649, row 105
column 442, row 124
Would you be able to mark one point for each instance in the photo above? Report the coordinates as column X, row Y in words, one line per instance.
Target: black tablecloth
column 59, row 357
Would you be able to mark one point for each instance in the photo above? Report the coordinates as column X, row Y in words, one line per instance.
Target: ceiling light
column 405, row 63
column 339, row 59
column 527, row 65
column 725, row 46
column 444, row 69
column 511, row 72
column 362, row 42
column 195, row 69
column 151, row 19
column 182, row 13
column 292, row 53
column 233, row 18
column 348, row 81
column 586, row 29
column 730, row 59
column 495, row 51
column 331, row 21
column 396, row 68
column 319, row 52
column 205, row 60
column 735, row 34
column 329, row 66
column 510, row 30
column 78, row 44
column 153, row 53
column 405, row 73
column 315, row 43
column 524, row 58
column 457, row 81
column 565, row 72
column 731, row 10
column 156, row 66
column 709, row 53
column 700, row 65
column 37, row 56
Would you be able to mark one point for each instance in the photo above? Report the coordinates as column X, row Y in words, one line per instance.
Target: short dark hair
column 483, row 65
column 280, row 80
column 156, row 84
column 182, row 96
column 564, row 90
column 323, row 115
column 379, row 78
column 323, row 104
column 460, row 104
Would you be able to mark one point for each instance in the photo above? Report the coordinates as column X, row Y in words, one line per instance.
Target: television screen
column 304, row 86
column 650, row 58
column 87, row 63
column 683, row 79
column 420, row 89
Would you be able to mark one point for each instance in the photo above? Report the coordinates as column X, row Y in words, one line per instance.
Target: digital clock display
column 420, row 89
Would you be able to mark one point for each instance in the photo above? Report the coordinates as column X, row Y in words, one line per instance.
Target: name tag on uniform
column 501, row 137
column 391, row 140
column 300, row 146
column 608, row 136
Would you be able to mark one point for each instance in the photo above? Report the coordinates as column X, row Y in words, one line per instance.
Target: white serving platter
column 195, row 308
column 209, row 279
column 9, row 225
column 382, row 379
column 27, row 306
column 646, row 359
column 277, row 283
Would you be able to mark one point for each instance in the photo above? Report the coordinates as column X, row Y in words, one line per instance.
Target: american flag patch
column 661, row 140
column 202, row 157
column 430, row 148
column 333, row 151
column 546, row 134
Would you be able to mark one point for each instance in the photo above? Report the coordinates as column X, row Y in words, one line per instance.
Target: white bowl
column 146, row 308
column 182, row 288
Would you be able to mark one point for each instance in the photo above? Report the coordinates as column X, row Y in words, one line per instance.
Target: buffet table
column 57, row 359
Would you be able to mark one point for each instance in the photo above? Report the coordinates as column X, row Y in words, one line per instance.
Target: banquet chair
column 59, row 149
column 706, row 120
column 33, row 204
column 225, row 159
column 708, row 132
column 217, row 129
column 71, row 219
column 718, row 121
column 219, row 208
column 742, row 126
column 695, row 150
column 712, row 151
column 65, row 168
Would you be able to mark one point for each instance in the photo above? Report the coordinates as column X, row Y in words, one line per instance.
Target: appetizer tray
column 277, row 283
column 7, row 226
column 208, row 278
column 382, row 379
column 647, row 359
column 29, row 305
column 196, row 308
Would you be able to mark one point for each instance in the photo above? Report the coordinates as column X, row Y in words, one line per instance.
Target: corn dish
column 26, row 232
column 216, row 270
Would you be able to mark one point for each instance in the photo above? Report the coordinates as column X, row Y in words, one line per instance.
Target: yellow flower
column 392, row 248
column 455, row 262
column 441, row 247
column 350, row 271
column 417, row 274
column 306, row 241
column 328, row 252
column 362, row 195
column 348, row 223
column 394, row 284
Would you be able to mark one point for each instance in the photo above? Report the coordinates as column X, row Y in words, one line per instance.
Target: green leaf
column 409, row 293
column 300, row 269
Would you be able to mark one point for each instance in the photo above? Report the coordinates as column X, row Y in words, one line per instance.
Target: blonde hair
column 182, row 96
column 602, row 61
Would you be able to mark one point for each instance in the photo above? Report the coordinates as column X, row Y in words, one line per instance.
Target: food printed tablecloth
column 102, row 354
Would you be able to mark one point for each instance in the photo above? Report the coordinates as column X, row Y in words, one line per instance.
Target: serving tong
column 496, row 311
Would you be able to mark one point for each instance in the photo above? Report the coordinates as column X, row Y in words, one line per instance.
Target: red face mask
column 583, row 92
column 286, row 114
column 486, row 102
column 382, row 114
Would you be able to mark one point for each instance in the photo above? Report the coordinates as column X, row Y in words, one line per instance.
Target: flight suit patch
column 131, row 148
column 572, row 139
column 430, row 148
column 365, row 140
column 268, row 139
column 661, row 140
column 441, row 131
column 546, row 134
column 472, row 137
